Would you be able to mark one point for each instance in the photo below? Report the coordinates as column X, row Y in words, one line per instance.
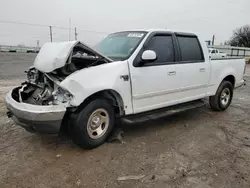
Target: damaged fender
column 86, row 82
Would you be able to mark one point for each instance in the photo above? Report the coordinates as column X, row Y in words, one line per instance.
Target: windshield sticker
column 139, row 35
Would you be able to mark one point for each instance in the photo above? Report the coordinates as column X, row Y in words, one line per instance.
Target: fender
column 218, row 75
column 226, row 72
column 109, row 76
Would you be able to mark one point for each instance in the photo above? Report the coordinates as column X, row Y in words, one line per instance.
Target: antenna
column 76, row 34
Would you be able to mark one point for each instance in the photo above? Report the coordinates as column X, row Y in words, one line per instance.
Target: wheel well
column 230, row 78
column 111, row 95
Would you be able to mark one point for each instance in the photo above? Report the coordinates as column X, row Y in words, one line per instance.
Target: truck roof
column 157, row 30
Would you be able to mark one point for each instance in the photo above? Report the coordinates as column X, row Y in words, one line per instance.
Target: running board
column 155, row 114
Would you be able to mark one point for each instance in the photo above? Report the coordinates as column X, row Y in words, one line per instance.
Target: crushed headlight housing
column 61, row 96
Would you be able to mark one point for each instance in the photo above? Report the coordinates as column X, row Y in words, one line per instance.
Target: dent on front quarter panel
column 75, row 88
column 86, row 82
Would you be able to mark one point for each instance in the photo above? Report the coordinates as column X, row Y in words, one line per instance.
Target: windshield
column 120, row 46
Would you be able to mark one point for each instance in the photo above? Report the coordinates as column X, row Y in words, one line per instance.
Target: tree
column 241, row 37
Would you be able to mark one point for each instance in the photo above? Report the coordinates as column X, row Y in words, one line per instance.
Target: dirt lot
column 198, row 149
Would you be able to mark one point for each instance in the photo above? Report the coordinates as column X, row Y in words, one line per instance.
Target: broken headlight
column 61, row 96
column 32, row 75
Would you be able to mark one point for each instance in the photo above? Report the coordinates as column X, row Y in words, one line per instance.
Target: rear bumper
column 35, row 118
column 239, row 84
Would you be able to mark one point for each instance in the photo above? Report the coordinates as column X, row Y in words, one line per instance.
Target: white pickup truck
column 132, row 75
column 216, row 54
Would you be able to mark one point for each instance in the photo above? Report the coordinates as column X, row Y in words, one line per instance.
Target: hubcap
column 98, row 123
column 225, row 96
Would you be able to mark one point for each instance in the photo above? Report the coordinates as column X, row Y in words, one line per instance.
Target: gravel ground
column 13, row 65
column 196, row 149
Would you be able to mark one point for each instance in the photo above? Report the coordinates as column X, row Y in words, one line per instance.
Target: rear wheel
column 223, row 97
column 93, row 124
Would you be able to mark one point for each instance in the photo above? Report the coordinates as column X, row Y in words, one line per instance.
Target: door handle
column 172, row 73
column 202, row 69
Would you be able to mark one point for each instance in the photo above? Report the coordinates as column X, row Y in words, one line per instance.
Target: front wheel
column 93, row 124
column 223, row 97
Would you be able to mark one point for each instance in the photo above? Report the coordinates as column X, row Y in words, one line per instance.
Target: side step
column 159, row 113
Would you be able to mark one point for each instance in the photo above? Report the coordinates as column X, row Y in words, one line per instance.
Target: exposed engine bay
column 79, row 58
column 44, row 88
column 40, row 89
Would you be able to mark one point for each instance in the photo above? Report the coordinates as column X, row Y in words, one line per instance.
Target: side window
column 190, row 49
column 213, row 51
column 163, row 47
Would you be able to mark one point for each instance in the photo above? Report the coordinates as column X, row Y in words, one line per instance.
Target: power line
column 58, row 27
column 91, row 31
column 51, row 35
column 22, row 23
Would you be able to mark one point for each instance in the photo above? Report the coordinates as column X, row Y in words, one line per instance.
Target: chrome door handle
column 172, row 73
column 202, row 69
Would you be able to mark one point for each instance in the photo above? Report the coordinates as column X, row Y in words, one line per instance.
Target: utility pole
column 76, row 34
column 50, row 30
column 37, row 43
column 213, row 39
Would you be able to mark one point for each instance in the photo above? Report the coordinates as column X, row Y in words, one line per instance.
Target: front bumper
column 35, row 118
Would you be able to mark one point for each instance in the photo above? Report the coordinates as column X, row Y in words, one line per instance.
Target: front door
column 155, row 84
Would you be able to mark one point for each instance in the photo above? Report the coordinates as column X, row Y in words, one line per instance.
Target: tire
column 223, row 97
column 93, row 124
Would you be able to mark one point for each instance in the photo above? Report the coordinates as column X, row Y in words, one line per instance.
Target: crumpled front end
column 39, row 104
column 35, row 118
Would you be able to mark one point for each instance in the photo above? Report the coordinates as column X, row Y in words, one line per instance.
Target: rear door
column 194, row 70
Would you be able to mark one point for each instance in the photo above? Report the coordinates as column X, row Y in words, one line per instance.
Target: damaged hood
column 54, row 55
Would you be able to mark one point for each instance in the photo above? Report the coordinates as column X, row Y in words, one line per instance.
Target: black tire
column 216, row 102
column 79, row 130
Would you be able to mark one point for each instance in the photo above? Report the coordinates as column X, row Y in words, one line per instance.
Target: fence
column 233, row 51
column 25, row 49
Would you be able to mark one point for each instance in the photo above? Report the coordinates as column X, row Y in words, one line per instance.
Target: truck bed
column 227, row 66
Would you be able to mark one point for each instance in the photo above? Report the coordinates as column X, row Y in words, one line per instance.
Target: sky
column 96, row 18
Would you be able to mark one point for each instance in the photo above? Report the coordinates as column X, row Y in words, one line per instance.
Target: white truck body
column 137, row 86
column 154, row 87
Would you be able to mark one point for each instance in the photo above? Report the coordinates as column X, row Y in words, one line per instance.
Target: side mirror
column 148, row 55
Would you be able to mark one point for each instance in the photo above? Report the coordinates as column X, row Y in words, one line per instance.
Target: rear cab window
column 190, row 49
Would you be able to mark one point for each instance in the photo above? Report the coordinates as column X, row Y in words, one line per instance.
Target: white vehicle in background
column 132, row 75
column 215, row 54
